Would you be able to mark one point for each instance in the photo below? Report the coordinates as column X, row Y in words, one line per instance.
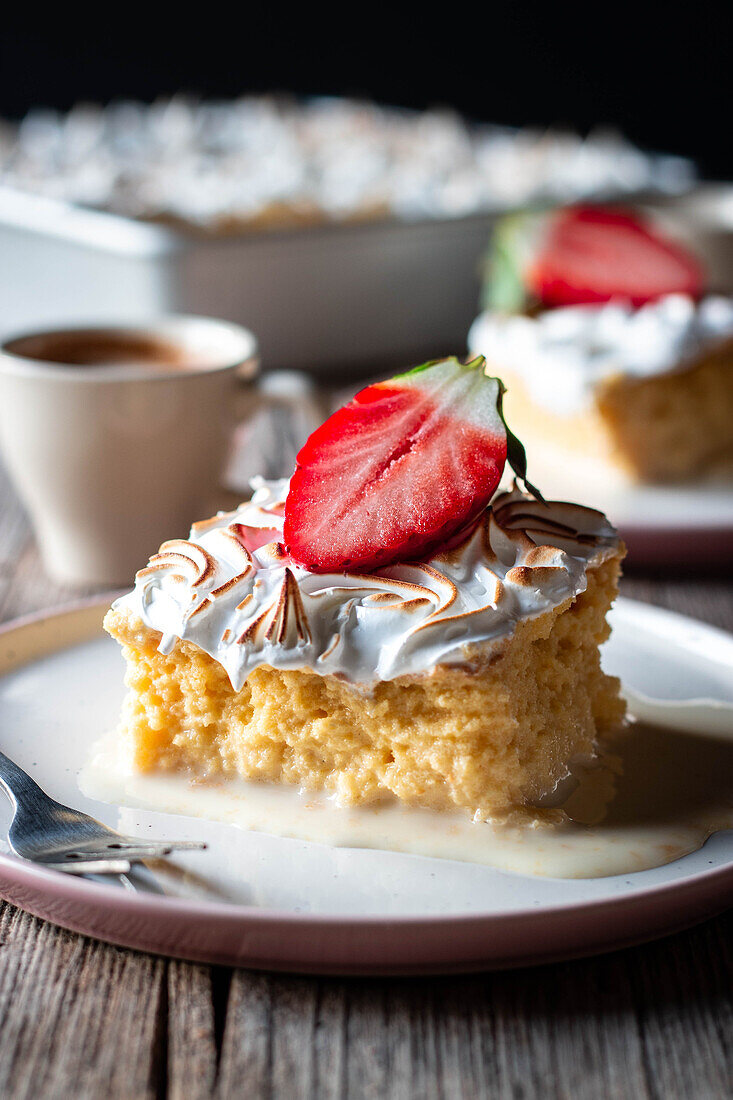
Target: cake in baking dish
column 609, row 347
column 385, row 626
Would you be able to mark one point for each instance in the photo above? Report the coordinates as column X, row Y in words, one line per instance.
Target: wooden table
column 82, row 1019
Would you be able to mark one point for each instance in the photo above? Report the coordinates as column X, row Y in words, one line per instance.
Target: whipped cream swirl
column 251, row 607
column 562, row 354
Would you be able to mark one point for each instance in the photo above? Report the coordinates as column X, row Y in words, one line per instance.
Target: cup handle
column 248, row 396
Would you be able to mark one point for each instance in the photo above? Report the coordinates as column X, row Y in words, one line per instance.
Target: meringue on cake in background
column 388, row 626
column 609, row 345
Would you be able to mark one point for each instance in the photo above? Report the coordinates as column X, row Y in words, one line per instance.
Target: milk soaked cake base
column 487, row 737
column 670, row 427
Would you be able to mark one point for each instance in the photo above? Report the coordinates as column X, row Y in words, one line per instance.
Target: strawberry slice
column 397, row 471
column 593, row 254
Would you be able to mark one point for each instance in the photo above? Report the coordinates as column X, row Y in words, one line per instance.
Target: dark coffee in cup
column 104, row 348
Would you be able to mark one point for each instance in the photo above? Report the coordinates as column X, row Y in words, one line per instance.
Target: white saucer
column 273, row 902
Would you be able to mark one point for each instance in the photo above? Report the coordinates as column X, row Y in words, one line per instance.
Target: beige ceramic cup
column 123, row 446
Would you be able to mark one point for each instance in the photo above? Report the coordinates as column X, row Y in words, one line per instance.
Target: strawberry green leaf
column 516, row 455
column 514, row 242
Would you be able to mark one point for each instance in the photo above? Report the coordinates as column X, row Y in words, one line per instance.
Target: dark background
column 663, row 78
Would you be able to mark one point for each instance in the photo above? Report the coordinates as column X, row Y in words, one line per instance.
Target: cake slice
column 608, row 346
column 450, row 661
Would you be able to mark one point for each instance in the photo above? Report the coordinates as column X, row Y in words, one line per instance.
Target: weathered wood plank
column 246, row 1056
column 77, row 1018
column 559, row 1032
column 192, row 1042
column 683, row 993
column 707, row 598
column 330, row 1041
column 31, row 589
column 577, row 1030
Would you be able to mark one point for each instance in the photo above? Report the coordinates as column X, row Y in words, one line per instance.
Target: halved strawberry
column 586, row 254
column 393, row 474
column 592, row 254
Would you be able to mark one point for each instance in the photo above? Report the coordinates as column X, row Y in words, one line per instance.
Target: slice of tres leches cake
column 385, row 626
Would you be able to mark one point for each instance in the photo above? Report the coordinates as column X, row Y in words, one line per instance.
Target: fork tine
column 95, row 853
column 88, row 867
column 139, row 844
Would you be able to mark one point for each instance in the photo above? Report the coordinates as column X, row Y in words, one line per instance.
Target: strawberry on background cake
column 388, row 625
column 609, row 344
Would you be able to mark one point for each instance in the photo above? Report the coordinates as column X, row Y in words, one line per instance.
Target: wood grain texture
column 75, row 1011
column 190, row 1022
column 83, row 1019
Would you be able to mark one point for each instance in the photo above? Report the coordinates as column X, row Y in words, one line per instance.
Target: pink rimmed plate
column 276, row 903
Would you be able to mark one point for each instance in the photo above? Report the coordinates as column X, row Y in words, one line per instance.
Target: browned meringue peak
column 562, row 525
column 284, row 622
column 247, row 609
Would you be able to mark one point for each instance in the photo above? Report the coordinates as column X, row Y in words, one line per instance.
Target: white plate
column 661, row 524
column 279, row 903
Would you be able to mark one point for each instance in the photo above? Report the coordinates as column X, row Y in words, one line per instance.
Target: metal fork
column 62, row 839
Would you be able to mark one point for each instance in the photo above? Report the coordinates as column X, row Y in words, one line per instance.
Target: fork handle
column 18, row 785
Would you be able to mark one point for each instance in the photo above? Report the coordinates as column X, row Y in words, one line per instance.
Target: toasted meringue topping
column 562, row 354
column 260, row 608
column 274, row 161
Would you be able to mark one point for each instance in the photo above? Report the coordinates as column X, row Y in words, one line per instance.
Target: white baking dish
column 330, row 298
column 337, row 299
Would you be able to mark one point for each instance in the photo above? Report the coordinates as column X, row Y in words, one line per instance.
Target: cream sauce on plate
column 655, row 795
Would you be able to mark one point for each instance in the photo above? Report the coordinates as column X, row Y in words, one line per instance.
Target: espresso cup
column 116, row 435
